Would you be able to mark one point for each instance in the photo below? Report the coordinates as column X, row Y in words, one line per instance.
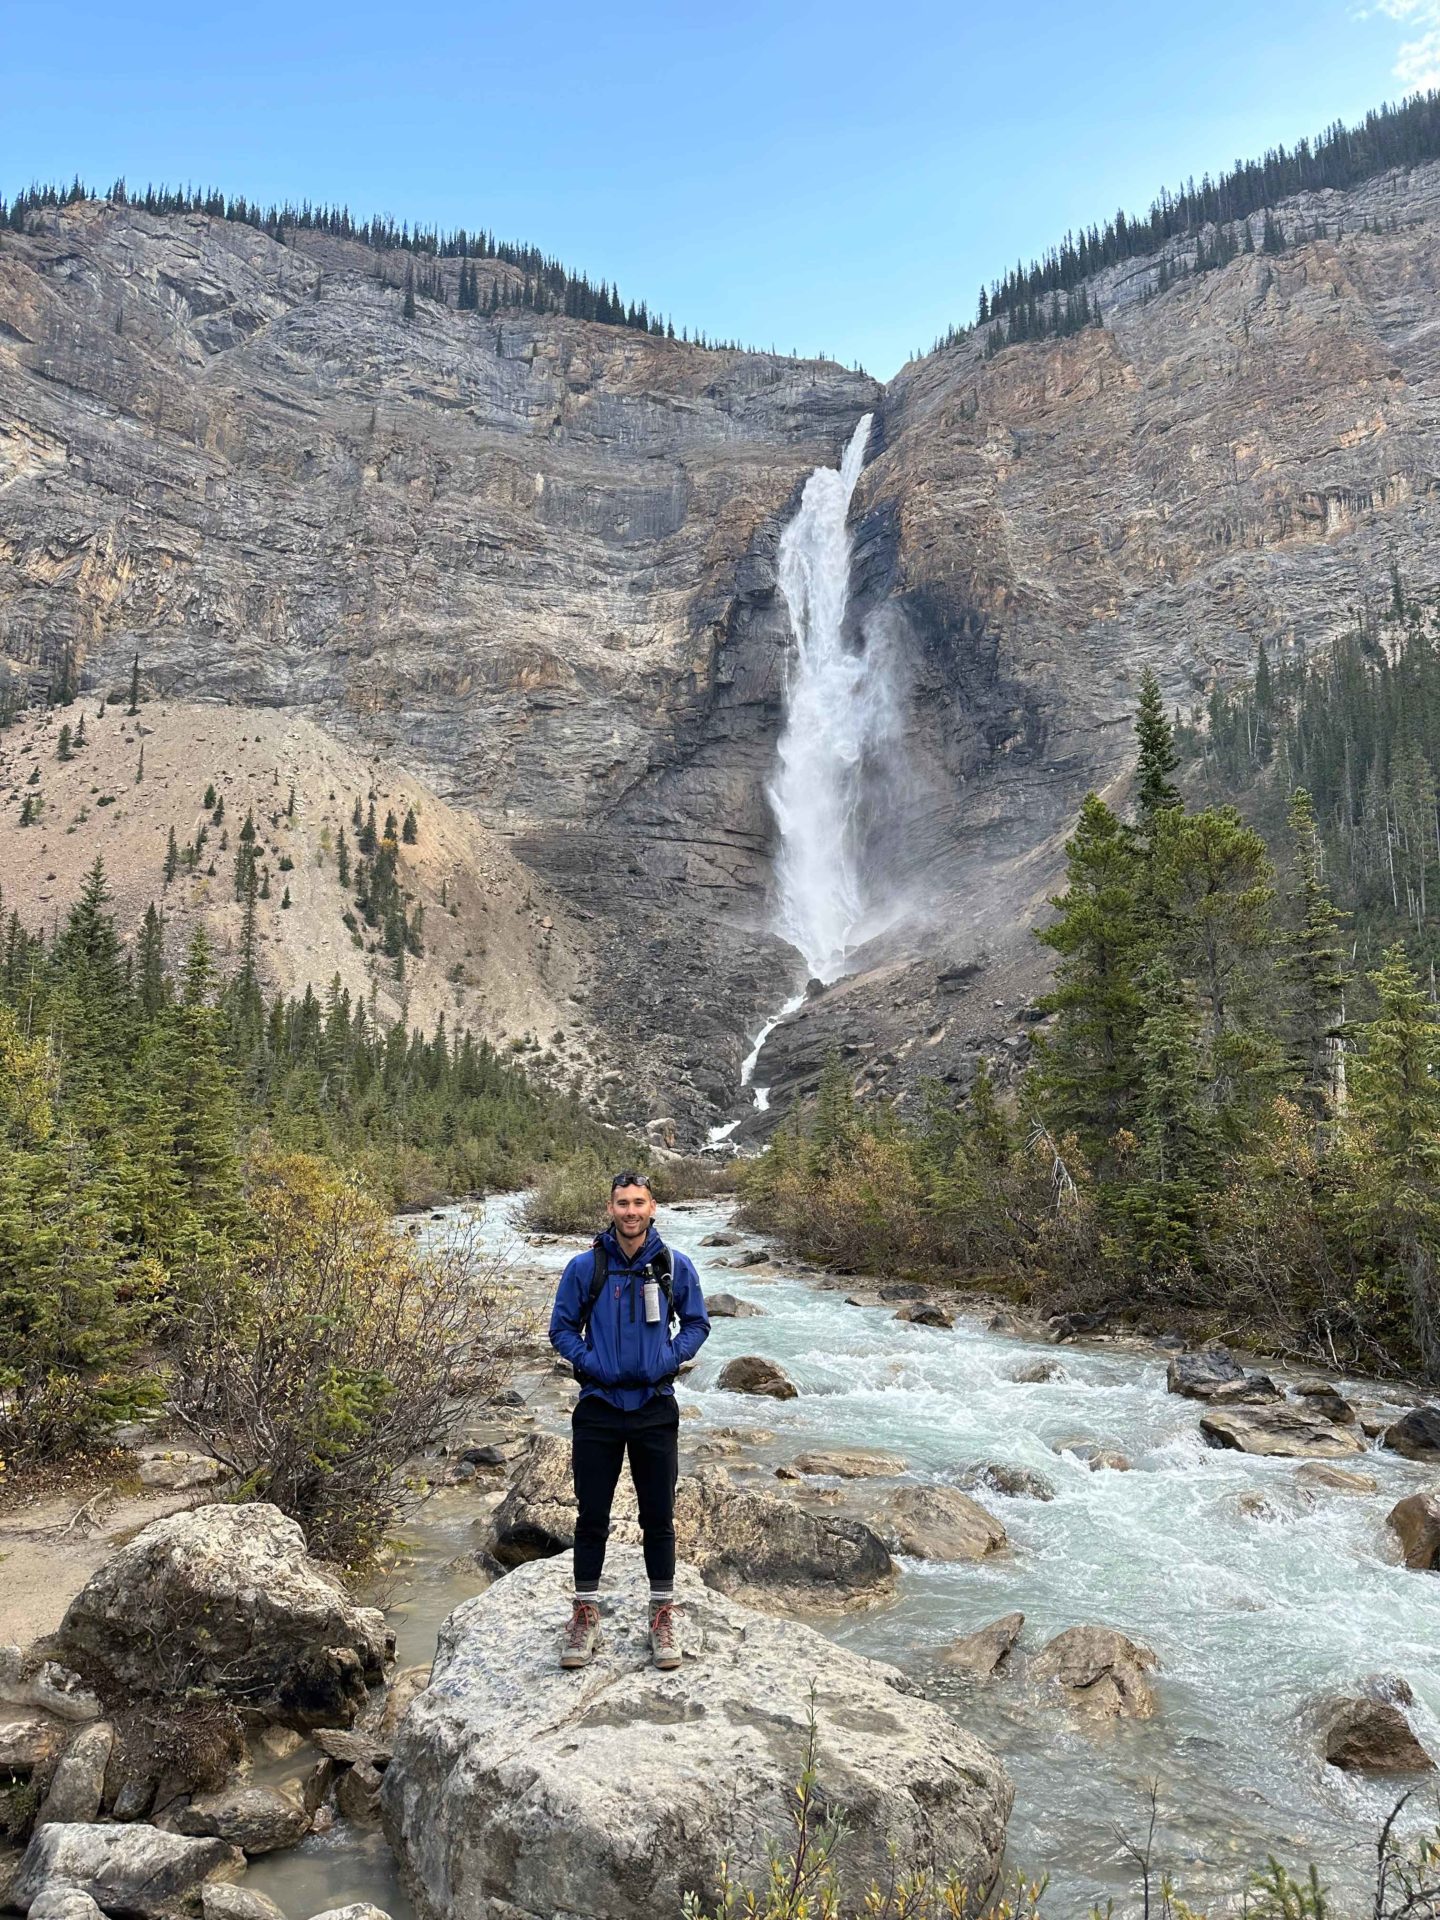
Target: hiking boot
column 663, row 1650
column 581, row 1635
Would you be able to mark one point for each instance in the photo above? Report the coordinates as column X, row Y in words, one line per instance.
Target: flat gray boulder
column 767, row 1551
column 938, row 1523
column 729, row 1306
column 614, row 1791
column 135, row 1870
column 227, row 1598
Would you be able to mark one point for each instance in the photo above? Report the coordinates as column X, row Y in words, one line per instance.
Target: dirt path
column 45, row 1559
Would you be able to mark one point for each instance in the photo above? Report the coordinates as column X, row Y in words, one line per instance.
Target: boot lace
column 583, row 1622
column 662, row 1625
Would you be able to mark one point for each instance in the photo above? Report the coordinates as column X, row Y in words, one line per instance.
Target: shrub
column 570, row 1197
column 335, row 1350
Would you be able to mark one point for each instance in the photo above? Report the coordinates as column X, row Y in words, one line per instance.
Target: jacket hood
column 653, row 1245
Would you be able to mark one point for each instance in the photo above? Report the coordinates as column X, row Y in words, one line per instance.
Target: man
column 615, row 1309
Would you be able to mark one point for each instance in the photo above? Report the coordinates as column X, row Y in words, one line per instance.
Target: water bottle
column 652, row 1299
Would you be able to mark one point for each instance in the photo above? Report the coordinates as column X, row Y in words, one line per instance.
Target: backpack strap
column 662, row 1266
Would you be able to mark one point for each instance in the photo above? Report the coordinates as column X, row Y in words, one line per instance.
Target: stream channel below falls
column 1251, row 1617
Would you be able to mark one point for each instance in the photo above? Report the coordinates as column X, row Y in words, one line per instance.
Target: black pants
column 601, row 1437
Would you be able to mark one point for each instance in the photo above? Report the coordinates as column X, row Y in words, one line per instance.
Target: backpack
column 662, row 1267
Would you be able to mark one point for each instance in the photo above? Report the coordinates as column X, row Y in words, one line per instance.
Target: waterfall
column 837, row 710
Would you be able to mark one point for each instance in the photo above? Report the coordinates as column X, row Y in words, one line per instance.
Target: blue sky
column 836, row 178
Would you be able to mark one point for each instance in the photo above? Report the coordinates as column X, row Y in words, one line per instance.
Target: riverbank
column 1257, row 1591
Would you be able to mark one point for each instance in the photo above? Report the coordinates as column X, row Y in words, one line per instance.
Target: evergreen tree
column 134, row 706
column 410, row 832
column 172, row 857
column 1314, row 967
column 410, row 290
column 342, row 860
column 63, row 750
column 1155, row 791
column 1088, row 1064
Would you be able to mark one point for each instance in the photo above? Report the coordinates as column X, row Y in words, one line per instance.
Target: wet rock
column 1252, row 1505
column 721, row 1240
column 1416, row 1434
column 77, row 1786
column 938, row 1523
column 278, row 1743
column 221, row 1902
column 42, row 1684
column 1287, row 1431
column 358, row 1794
column 1039, row 1373
column 715, row 1447
column 981, row 1652
column 1415, row 1521
column 256, row 1819
column 926, row 1313
column 752, row 1257
column 1075, row 1326
column 726, row 1306
column 1252, row 1389
column 1016, row 1483
column 850, row 1463
column 721, row 1739
column 1325, row 1398
column 1101, row 1672
column 1319, row 1473
column 136, row 1871
column 1098, row 1458
column 493, row 1453
column 227, row 1598
column 1371, row 1736
column 357, row 1910
column 1197, row 1375
column 765, row 1550
column 752, row 1373
column 902, row 1290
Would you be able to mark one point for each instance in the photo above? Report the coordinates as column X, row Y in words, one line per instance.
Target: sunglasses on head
column 630, row 1180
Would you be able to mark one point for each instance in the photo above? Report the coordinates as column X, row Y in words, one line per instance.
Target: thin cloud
column 1417, row 61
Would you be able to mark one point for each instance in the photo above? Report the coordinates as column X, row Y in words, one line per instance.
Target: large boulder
column 258, row 1819
column 1416, row 1434
column 752, row 1373
column 1289, row 1431
column 728, row 1306
column 763, row 1550
column 980, row 1653
column 226, row 1598
column 1415, row 1521
column 767, row 1551
column 1371, row 1736
column 614, row 1791
column 938, row 1523
column 1197, row 1375
column 1100, row 1672
column 136, row 1871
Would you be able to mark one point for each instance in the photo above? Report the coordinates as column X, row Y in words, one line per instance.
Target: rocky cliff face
column 534, row 561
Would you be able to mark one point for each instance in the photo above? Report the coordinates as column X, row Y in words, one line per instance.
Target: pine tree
column 1155, row 792
column 172, row 857
column 342, row 860
column 1088, row 1066
column 151, row 963
column 80, row 733
column 63, row 751
column 410, row 291
column 410, row 832
column 134, row 706
column 210, row 797
column 1314, row 967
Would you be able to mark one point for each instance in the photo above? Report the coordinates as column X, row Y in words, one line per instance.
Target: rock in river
column 1289, row 1431
column 1416, row 1522
column 981, row 1652
column 938, row 1523
column 728, row 1306
column 1371, row 1736
column 1416, row 1434
column 752, row 1373
column 768, row 1551
column 850, row 1463
column 1101, row 1672
column 227, row 1598
column 1197, row 1375
column 135, row 1870
column 614, row 1791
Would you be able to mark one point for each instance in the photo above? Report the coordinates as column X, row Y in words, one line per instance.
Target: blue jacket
column 620, row 1357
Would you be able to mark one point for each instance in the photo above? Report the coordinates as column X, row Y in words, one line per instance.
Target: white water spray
column 837, row 710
